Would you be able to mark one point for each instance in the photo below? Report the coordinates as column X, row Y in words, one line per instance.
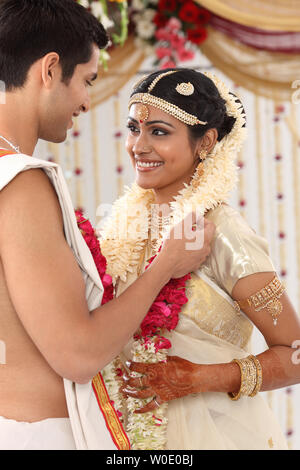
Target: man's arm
column 47, row 288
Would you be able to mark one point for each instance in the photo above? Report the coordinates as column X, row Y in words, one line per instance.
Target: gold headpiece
column 186, row 89
column 169, row 108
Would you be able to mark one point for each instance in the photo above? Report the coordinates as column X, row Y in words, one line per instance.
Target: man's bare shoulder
column 29, row 200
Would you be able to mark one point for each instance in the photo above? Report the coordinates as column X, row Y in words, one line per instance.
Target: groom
column 56, row 336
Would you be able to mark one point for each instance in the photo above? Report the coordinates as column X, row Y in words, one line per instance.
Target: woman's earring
column 200, row 169
column 203, row 155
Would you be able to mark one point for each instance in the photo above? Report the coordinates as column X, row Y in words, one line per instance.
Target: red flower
column 167, row 5
column 160, row 20
column 198, row 35
column 168, row 64
column 92, row 242
column 174, row 24
column 185, row 54
column 177, row 41
column 177, row 297
column 162, row 343
column 189, row 12
column 203, row 16
column 163, row 34
column 162, row 52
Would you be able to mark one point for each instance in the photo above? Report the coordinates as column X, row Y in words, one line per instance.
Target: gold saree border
column 110, row 416
column 3, row 153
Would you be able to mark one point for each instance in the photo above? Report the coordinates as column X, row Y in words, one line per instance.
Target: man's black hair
column 30, row 29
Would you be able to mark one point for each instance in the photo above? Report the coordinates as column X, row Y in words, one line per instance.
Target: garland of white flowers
column 125, row 237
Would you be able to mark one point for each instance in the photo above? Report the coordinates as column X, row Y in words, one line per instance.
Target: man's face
column 66, row 101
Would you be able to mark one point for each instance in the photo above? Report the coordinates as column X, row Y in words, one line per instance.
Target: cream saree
column 210, row 331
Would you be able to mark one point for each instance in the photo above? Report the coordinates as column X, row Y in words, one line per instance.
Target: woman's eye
column 89, row 83
column 159, row 132
column 132, row 128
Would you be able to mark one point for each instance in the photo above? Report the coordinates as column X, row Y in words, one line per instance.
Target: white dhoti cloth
column 49, row 434
column 93, row 429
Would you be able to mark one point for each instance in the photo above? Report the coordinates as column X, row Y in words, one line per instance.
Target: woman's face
column 160, row 150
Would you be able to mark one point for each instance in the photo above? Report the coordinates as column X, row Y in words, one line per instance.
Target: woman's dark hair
column 205, row 103
column 30, row 29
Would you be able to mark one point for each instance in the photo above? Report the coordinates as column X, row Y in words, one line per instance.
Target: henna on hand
column 165, row 381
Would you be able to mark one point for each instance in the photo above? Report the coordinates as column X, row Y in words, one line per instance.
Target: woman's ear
column 208, row 141
column 50, row 69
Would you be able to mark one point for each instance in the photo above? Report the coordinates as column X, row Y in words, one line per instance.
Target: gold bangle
column 258, row 376
column 242, row 366
column 251, row 379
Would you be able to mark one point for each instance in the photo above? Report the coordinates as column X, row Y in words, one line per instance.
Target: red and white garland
column 163, row 315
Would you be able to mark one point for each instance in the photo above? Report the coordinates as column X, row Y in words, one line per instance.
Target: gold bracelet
column 243, row 369
column 249, row 375
column 251, row 381
column 258, row 376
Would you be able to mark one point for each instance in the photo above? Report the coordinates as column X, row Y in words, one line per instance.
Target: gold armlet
column 267, row 297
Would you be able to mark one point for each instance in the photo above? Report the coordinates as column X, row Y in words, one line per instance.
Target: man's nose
column 86, row 106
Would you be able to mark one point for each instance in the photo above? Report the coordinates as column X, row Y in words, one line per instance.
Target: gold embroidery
column 214, row 314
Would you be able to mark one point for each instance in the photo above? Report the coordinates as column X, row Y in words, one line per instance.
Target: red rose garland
column 163, row 313
column 92, row 242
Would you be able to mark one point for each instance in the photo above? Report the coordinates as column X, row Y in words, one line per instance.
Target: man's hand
column 164, row 381
column 188, row 245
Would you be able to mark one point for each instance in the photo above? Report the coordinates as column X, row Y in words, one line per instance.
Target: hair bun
column 226, row 127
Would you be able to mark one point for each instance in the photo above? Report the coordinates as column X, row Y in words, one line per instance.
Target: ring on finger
column 156, row 402
column 141, row 381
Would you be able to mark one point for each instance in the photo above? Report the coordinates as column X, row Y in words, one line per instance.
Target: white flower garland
column 122, row 245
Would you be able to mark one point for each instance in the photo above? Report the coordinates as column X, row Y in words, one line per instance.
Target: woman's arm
column 280, row 363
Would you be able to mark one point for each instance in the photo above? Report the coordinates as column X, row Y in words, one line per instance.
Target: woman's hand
column 165, row 381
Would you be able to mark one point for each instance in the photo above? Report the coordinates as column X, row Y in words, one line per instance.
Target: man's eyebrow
column 149, row 123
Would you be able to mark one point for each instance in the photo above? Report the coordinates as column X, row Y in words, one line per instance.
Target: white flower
column 145, row 29
column 149, row 14
column 97, row 11
column 84, row 3
column 138, row 4
column 107, row 23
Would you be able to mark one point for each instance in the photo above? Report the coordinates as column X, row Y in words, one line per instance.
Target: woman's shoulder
column 237, row 250
column 225, row 215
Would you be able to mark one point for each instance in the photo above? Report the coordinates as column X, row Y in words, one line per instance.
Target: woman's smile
column 144, row 166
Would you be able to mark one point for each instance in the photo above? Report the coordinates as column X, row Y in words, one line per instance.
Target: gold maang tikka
column 142, row 112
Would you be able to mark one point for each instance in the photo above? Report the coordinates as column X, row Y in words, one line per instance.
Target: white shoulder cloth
column 88, row 424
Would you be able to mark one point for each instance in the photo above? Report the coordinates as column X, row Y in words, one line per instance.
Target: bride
column 191, row 381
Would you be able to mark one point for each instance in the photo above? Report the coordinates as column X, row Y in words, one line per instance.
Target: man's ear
column 51, row 69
